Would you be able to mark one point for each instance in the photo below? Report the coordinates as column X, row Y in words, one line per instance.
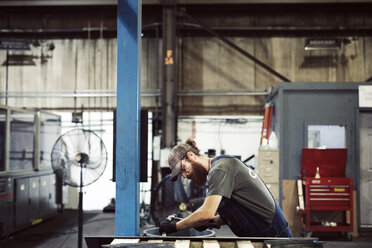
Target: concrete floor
column 62, row 232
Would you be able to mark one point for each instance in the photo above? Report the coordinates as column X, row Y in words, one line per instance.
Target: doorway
column 365, row 169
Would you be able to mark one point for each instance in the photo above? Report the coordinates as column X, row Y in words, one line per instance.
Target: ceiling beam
column 158, row 2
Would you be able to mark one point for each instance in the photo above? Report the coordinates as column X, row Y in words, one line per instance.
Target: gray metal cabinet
column 6, row 206
column 35, row 199
column 34, row 194
column 52, row 194
column 21, row 202
column 268, row 169
column 47, row 197
column 44, row 188
column 26, row 201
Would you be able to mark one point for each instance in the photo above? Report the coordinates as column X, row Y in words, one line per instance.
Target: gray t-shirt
column 230, row 178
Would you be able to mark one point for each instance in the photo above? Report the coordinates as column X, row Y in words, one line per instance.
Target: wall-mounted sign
column 365, row 96
column 168, row 60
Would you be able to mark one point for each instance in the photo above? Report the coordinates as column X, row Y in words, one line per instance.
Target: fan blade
column 92, row 165
column 74, row 174
column 59, row 159
column 84, row 142
column 90, row 176
column 95, row 153
column 68, row 145
column 65, row 170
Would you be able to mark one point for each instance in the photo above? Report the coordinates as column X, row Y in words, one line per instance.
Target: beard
column 199, row 174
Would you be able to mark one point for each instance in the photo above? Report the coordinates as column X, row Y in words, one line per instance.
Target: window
column 21, row 141
column 326, row 136
column 50, row 130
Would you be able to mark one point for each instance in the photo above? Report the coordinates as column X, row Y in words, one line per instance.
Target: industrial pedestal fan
column 79, row 158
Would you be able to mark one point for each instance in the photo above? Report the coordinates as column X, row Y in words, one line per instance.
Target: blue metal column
column 128, row 118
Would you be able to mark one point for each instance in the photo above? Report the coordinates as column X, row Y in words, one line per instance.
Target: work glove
column 168, row 225
column 201, row 228
column 209, row 224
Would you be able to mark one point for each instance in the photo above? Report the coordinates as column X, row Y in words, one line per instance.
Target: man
column 235, row 192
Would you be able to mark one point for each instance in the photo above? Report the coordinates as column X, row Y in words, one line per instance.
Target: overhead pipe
column 222, row 93
column 356, row 29
column 279, row 31
column 112, row 93
column 302, row 31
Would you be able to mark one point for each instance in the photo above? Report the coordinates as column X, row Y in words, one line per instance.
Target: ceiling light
column 15, row 44
column 322, row 44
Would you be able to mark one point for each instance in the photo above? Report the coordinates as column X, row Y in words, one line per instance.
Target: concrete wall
column 79, row 65
column 205, row 64
column 209, row 64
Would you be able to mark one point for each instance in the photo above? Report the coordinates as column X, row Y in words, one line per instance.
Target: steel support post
column 169, row 82
column 128, row 118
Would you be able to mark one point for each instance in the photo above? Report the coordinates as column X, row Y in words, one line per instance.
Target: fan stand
column 80, row 222
column 82, row 159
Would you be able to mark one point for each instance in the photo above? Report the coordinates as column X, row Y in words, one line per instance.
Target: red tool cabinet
column 331, row 192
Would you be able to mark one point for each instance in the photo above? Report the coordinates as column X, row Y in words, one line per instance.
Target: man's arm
column 203, row 214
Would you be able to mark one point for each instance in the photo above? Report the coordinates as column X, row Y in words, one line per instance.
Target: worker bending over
column 236, row 195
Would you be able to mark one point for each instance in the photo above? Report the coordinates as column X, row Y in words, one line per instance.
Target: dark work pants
column 244, row 223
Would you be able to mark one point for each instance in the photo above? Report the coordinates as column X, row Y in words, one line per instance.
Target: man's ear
column 190, row 155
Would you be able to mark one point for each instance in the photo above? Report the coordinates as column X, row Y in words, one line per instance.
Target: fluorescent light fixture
column 15, row 44
column 322, row 44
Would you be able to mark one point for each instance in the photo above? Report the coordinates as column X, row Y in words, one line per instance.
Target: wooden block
column 184, row 243
column 300, row 190
column 155, row 241
column 122, row 241
column 211, row 244
column 300, row 194
column 355, row 233
column 289, row 204
column 244, row 244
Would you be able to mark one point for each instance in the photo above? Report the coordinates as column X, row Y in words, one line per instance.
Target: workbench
column 205, row 242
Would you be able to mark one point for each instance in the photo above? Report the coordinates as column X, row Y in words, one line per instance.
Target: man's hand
column 168, row 225
column 209, row 224
column 201, row 228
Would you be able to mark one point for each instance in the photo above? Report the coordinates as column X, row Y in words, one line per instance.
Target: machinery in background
column 29, row 190
column 180, row 197
column 79, row 158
